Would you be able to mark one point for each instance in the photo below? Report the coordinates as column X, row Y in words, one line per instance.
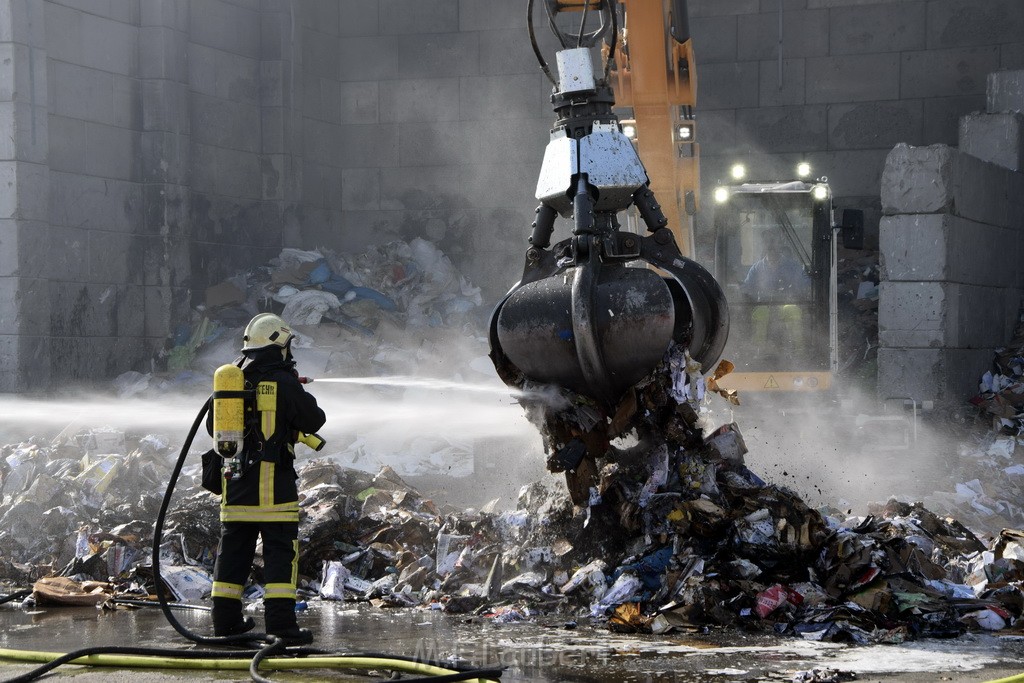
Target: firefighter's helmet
column 266, row 329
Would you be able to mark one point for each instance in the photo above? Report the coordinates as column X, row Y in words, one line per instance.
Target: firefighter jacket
column 267, row 491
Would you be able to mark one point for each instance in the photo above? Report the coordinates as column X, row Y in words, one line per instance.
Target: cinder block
column 893, row 27
column 505, row 52
column 428, row 99
column 224, row 123
column 82, row 310
column 853, row 78
column 359, row 18
column 478, row 142
column 33, row 301
column 165, row 106
column 940, row 179
column 420, row 16
column 918, row 179
column 956, row 23
column 276, row 36
column 928, row 73
column 759, row 38
column 949, row 375
column 372, row 58
column 997, row 138
column 321, row 55
column 785, row 129
column 9, row 248
column 432, row 54
column 163, row 53
column 10, row 357
column 321, row 15
column 359, row 102
column 82, row 93
column 276, row 83
column 112, row 152
column 704, row 8
column 495, row 98
column 947, row 248
column 793, row 84
column 109, row 256
column 715, row 38
column 220, row 74
column 1005, row 92
column 492, row 15
column 409, row 187
column 875, row 125
column 165, row 158
column 23, row 23
column 225, row 26
column 360, row 189
column 226, row 172
column 23, row 74
column 131, row 312
column 941, row 315
column 729, row 85
column 853, row 173
column 109, row 45
column 169, row 13
column 362, row 146
column 913, row 315
column 71, row 261
column 94, row 203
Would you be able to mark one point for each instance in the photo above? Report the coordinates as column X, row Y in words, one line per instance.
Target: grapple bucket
column 597, row 335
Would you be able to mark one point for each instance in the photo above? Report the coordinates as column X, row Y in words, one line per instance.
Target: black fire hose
column 15, row 596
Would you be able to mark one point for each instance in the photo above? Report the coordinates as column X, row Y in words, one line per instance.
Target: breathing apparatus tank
column 229, row 417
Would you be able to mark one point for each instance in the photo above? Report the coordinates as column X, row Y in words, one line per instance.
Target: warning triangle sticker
column 771, row 383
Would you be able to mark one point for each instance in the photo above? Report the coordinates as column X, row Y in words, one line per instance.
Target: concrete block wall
column 422, row 118
column 153, row 147
column 840, row 82
column 952, row 241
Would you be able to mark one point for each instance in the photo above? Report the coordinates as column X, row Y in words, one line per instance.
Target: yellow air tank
column 228, row 410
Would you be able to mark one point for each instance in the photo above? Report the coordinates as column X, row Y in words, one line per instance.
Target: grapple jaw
column 600, row 326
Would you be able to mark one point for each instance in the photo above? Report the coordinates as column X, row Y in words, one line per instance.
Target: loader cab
column 775, row 257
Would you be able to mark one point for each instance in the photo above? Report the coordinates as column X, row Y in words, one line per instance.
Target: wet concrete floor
column 532, row 651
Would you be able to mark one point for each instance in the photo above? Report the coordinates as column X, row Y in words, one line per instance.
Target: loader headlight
column 820, row 192
column 803, row 169
column 721, row 195
column 738, row 172
column 629, row 130
column 685, row 132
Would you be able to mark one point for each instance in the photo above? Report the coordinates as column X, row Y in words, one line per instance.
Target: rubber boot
column 281, row 622
column 228, row 619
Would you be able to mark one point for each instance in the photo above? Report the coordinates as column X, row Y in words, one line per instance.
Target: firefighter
column 259, row 496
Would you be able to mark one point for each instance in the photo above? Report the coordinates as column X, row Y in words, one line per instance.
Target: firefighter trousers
column 280, row 572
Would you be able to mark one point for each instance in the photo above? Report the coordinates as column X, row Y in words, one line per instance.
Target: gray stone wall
column 952, row 240
column 840, row 82
column 152, row 147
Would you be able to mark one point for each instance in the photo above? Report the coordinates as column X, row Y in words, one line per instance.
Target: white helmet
column 266, row 329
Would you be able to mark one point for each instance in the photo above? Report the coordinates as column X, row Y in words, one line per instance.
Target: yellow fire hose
column 276, row 663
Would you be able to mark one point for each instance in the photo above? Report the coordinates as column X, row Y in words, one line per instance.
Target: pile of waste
column 990, row 460
column 383, row 311
column 705, row 543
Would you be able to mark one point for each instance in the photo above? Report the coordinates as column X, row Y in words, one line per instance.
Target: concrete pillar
column 24, row 199
column 165, row 163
